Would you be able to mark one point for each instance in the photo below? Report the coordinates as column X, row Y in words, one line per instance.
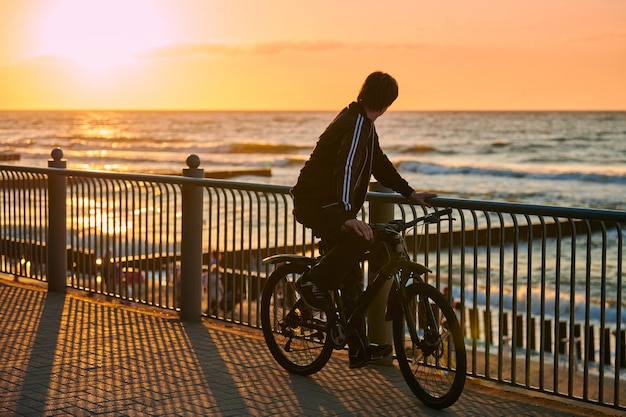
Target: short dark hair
column 378, row 91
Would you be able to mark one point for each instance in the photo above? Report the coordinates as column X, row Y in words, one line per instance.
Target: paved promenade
column 74, row 355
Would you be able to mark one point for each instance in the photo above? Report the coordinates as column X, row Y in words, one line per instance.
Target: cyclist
column 331, row 190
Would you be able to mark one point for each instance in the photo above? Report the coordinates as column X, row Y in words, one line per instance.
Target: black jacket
column 336, row 177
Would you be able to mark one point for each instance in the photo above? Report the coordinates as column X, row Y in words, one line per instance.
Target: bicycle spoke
column 295, row 335
column 429, row 347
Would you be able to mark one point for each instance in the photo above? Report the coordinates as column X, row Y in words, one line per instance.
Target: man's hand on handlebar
column 365, row 231
column 361, row 228
column 421, row 198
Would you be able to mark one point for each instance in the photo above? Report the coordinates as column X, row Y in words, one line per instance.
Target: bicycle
column 428, row 340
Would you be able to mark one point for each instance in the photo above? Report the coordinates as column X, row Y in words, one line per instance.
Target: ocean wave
column 582, row 307
column 260, row 148
column 419, row 148
column 295, row 161
column 436, row 169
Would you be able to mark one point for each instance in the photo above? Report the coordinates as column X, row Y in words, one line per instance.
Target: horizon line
column 310, row 110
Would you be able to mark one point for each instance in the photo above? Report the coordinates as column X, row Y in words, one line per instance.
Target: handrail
column 518, row 208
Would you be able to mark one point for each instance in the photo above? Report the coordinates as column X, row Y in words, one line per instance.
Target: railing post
column 56, row 245
column 191, row 246
column 380, row 331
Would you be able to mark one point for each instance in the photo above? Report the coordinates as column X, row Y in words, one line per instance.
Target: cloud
column 183, row 50
column 286, row 47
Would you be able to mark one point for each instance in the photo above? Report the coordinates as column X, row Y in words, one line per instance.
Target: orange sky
column 281, row 55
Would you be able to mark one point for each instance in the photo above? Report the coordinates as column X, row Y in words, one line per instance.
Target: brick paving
column 68, row 354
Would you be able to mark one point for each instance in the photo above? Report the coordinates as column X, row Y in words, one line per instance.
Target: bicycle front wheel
column 429, row 346
column 297, row 336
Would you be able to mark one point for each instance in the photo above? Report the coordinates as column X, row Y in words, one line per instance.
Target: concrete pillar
column 380, row 331
column 57, row 229
column 191, row 246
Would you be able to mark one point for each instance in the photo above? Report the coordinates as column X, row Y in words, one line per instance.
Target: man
column 331, row 190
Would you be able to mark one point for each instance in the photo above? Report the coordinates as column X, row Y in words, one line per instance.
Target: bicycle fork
column 429, row 343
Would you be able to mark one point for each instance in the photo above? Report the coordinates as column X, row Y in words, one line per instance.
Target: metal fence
column 538, row 289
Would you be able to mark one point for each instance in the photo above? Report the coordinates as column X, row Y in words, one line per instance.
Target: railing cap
column 57, row 154
column 57, row 160
column 193, row 161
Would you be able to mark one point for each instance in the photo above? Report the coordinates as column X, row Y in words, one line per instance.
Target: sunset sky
column 314, row 55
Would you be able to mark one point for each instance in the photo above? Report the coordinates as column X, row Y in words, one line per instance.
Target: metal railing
column 538, row 289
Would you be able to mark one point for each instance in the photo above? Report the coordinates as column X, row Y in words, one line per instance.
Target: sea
column 569, row 159
column 566, row 159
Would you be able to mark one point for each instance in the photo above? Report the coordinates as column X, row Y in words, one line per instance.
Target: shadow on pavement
column 70, row 354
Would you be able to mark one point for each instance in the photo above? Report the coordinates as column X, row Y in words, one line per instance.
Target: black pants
column 340, row 266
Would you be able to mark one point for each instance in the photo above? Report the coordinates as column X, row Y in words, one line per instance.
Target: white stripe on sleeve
column 347, row 176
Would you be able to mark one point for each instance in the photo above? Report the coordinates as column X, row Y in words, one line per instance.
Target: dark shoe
column 373, row 352
column 312, row 295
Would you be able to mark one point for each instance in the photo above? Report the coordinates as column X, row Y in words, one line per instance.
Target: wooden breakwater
column 9, row 155
column 592, row 344
column 496, row 236
column 226, row 173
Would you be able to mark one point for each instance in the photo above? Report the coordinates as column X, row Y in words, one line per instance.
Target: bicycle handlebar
column 434, row 217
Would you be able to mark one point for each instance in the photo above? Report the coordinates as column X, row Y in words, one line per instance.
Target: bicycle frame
column 403, row 271
column 400, row 268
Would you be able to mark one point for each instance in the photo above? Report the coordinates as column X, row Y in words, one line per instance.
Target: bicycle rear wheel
column 434, row 365
column 297, row 336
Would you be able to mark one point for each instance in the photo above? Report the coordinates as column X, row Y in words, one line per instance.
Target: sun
column 101, row 34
